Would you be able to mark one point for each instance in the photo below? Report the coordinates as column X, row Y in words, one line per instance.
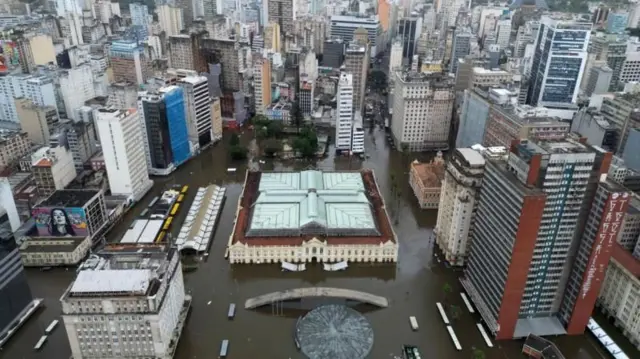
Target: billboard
column 60, row 222
column 9, row 52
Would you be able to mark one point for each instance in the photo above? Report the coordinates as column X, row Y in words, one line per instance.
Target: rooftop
column 430, row 174
column 50, row 244
column 133, row 281
column 287, row 208
column 66, row 198
column 473, row 157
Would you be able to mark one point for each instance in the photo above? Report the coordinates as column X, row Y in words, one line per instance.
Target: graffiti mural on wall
column 60, row 222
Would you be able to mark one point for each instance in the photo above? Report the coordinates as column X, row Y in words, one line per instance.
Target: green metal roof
column 313, row 202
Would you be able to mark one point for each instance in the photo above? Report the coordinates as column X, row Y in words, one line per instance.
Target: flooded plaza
column 413, row 286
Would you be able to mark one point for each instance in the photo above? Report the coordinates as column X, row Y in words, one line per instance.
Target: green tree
column 234, row 140
column 447, row 289
column 377, row 80
column 272, row 146
column 238, row 152
column 296, row 115
column 477, row 353
column 274, row 129
column 260, row 120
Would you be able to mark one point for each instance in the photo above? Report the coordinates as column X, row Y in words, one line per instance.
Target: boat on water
column 410, row 352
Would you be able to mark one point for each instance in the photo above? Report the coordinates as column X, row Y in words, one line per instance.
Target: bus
column 175, row 209
column 180, row 198
column 167, row 224
column 160, row 236
column 184, row 189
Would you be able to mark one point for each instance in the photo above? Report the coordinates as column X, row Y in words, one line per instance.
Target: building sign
column 609, row 226
column 60, row 222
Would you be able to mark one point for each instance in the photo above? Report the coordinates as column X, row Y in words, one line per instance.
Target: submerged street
column 413, row 286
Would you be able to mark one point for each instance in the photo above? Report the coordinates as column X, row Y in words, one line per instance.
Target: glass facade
column 177, row 125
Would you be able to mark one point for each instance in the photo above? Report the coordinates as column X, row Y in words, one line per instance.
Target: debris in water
column 209, row 303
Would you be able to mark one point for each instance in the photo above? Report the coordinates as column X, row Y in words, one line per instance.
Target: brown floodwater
column 413, row 286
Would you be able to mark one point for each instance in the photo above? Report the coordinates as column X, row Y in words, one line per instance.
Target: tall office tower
column 76, row 87
column 170, row 19
column 422, row 110
column 140, row 19
column 166, row 129
column 617, row 22
column 188, row 12
column 458, row 203
column 612, row 50
column 526, row 35
column 532, row 208
column 604, row 223
column 129, row 62
column 344, row 113
column 384, row 14
column 460, row 48
column 184, row 50
column 63, row 7
column 395, row 58
column 212, row 8
column 409, row 30
column 557, row 72
column 503, row 32
column 131, row 299
column 83, row 144
column 343, row 27
column 262, row 83
column 333, row 55
column 282, row 12
column 38, row 89
column 356, row 63
column 197, row 102
column 272, row 38
column 121, row 140
column 599, row 80
column 37, row 121
column 16, row 302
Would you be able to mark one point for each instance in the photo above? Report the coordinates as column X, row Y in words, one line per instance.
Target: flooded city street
column 413, row 286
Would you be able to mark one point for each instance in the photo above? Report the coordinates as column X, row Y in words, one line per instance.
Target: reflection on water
column 413, row 286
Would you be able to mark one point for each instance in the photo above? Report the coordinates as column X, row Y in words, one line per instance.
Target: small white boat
column 414, row 322
column 231, row 169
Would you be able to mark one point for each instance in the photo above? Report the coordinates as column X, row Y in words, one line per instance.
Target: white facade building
column 458, row 201
column 422, row 110
column 8, row 204
column 38, row 89
column 357, row 134
column 76, row 86
column 503, row 32
column 170, row 19
column 125, row 306
column 197, row 104
column 344, row 114
column 68, row 6
column 620, row 294
column 395, row 58
column 122, row 142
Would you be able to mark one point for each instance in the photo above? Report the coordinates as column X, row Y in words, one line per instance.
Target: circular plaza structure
column 334, row 332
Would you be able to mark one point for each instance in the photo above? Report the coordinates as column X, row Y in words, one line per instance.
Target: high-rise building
column 409, row 30
column 185, row 52
column 557, row 72
column 121, row 139
column 395, row 58
column 344, row 112
column 422, row 110
column 54, row 170
column 272, row 37
column 357, row 134
column 8, row 203
column 262, row 83
column 16, row 301
column 81, row 137
column 166, row 129
column 282, row 12
column 503, row 32
column 212, row 8
column 170, row 19
column 460, row 47
column 532, row 209
column 458, row 202
column 333, row 55
column 356, row 63
column 13, row 145
column 140, row 19
column 599, row 80
column 76, row 87
column 617, row 22
column 36, row 121
column 142, row 287
column 187, row 11
column 343, row 27
column 129, row 62
column 39, row 89
column 197, row 102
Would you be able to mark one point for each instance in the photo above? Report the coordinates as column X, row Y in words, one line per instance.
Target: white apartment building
column 620, row 293
column 76, row 87
column 450, row 8
column 458, row 201
column 53, row 169
column 197, row 104
column 38, row 89
column 122, row 142
column 422, row 109
column 357, row 134
column 395, row 58
column 344, row 114
column 503, row 32
column 126, row 305
column 170, row 19
column 630, row 71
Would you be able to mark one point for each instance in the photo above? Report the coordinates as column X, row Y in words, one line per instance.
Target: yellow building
column 42, row 50
column 425, row 180
column 431, row 67
column 216, row 119
column 272, row 37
